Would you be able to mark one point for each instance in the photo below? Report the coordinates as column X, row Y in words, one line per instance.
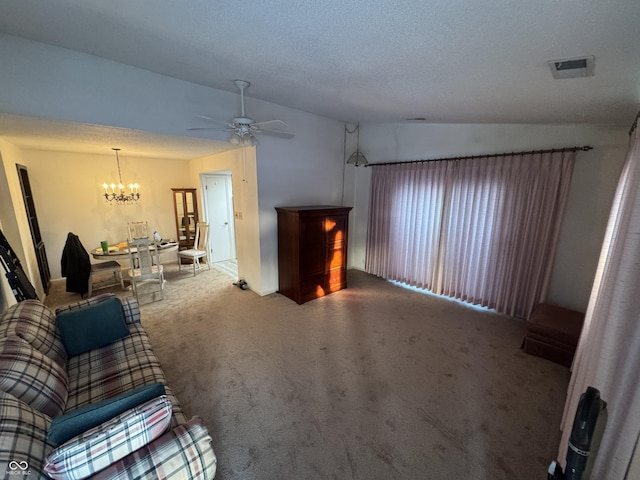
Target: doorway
column 218, row 203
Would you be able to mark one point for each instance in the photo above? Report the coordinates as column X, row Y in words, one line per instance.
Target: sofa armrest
column 184, row 452
column 131, row 310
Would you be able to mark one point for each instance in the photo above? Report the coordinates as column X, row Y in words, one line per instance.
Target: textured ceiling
column 43, row 134
column 371, row 61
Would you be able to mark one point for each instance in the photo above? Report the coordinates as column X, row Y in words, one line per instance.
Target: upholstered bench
column 553, row 333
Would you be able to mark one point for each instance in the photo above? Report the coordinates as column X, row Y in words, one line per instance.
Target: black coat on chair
column 75, row 265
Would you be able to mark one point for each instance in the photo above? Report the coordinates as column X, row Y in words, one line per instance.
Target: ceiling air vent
column 572, row 67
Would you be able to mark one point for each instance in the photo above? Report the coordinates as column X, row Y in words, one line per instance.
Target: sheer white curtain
column 483, row 230
column 608, row 353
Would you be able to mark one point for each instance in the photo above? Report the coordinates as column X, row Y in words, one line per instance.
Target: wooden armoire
column 312, row 251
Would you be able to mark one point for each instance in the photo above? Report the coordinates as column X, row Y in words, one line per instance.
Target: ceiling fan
column 243, row 129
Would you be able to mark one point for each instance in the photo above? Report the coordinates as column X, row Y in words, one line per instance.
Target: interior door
column 219, row 204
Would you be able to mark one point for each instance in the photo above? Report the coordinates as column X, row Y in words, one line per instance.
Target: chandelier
column 116, row 193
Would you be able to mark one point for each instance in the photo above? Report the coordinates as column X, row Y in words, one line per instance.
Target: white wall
column 8, row 225
column 51, row 82
column 593, row 185
column 13, row 214
column 6, row 297
column 242, row 165
column 306, row 170
column 56, row 83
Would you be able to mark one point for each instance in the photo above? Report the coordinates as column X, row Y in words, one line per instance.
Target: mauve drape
column 608, row 353
column 483, row 230
column 404, row 222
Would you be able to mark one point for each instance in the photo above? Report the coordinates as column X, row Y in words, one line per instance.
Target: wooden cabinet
column 312, row 251
column 186, row 211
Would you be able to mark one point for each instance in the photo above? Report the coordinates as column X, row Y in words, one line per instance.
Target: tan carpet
column 372, row 382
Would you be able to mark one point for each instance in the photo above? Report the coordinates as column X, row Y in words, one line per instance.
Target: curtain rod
column 584, row 148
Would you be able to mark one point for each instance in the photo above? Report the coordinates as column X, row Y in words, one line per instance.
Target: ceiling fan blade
column 217, row 129
column 244, row 127
column 276, row 128
column 273, row 125
column 277, row 133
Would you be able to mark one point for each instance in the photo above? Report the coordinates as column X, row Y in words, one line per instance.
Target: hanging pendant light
column 357, row 158
column 116, row 194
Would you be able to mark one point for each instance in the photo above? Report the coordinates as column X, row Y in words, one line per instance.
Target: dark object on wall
column 312, row 251
column 553, row 333
column 18, row 281
column 36, row 237
column 582, row 435
column 75, row 265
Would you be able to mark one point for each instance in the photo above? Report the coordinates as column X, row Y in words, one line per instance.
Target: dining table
column 120, row 251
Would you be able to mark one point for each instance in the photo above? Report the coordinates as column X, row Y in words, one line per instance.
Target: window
column 481, row 230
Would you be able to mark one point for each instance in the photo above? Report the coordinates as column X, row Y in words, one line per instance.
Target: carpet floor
column 373, row 382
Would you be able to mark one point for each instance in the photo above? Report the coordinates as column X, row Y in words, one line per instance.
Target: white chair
column 199, row 250
column 97, row 269
column 145, row 265
column 137, row 230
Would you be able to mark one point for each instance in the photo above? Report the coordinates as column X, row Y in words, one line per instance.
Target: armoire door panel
column 311, row 232
column 312, row 261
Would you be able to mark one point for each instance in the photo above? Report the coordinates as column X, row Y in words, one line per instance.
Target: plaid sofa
column 39, row 382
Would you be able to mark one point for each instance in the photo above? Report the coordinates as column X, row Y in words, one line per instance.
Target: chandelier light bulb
column 121, row 197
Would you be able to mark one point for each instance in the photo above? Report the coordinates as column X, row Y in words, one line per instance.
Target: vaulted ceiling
column 373, row 61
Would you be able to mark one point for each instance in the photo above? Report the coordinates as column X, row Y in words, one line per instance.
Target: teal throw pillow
column 74, row 423
column 92, row 327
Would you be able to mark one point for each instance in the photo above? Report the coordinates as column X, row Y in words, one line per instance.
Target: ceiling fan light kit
column 243, row 128
column 242, row 140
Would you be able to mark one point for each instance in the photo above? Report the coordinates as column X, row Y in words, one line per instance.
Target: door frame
column 227, row 176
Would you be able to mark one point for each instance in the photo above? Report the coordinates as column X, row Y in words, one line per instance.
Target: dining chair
column 145, row 265
column 137, row 230
column 199, row 250
column 98, row 269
